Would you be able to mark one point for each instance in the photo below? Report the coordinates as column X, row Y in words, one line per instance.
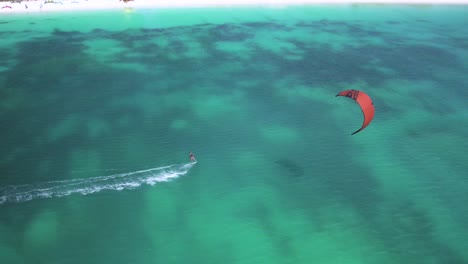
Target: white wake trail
column 121, row 181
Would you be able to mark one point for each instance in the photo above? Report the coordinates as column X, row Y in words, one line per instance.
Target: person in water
column 192, row 157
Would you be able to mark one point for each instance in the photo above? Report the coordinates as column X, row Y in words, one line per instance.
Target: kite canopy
column 366, row 104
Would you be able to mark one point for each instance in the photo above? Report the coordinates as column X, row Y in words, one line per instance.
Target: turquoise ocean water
column 98, row 111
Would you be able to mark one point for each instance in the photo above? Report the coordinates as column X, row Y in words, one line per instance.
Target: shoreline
column 94, row 5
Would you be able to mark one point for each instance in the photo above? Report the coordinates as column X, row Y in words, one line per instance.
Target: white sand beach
column 74, row 5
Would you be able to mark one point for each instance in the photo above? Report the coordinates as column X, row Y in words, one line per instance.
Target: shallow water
column 251, row 91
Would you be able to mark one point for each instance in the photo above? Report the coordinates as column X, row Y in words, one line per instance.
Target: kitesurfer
column 192, row 157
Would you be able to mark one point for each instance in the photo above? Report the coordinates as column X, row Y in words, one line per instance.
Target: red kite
column 366, row 104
